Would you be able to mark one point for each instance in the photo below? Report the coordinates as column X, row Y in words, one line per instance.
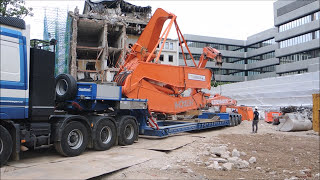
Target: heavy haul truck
column 39, row 110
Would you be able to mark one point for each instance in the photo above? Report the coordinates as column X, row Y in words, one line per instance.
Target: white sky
column 227, row 19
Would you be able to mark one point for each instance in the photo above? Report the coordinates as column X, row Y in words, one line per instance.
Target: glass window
column 161, row 57
column 170, row 58
column 166, row 45
column 171, row 46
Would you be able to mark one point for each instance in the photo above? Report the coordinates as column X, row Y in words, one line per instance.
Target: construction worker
column 255, row 120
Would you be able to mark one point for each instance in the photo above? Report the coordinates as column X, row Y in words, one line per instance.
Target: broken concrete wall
column 101, row 35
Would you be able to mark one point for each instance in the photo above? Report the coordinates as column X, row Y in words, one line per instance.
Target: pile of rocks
column 222, row 159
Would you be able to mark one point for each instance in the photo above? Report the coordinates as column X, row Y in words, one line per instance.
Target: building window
column 299, row 22
column 294, row 72
column 161, row 57
column 300, row 56
column 299, row 39
column 261, row 57
column 166, row 45
column 317, row 34
column 261, row 44
column 171, row 46
column 262, row 70
column 196, row 44
column 170, row 58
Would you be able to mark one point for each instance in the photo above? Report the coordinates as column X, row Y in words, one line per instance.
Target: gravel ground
column 279, row 155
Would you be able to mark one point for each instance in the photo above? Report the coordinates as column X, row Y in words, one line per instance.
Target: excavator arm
column 142, row 77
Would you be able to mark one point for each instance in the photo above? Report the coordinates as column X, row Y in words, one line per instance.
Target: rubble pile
column 220, row 158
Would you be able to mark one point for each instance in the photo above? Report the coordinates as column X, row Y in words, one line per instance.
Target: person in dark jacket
column 255, row 120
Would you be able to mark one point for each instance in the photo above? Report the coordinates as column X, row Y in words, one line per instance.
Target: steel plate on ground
column 88, row 165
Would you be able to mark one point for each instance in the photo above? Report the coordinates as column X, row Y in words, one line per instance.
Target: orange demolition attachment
column 142, row 77
column 227, row 104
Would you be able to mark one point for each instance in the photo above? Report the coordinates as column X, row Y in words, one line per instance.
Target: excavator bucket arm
column 161, row 84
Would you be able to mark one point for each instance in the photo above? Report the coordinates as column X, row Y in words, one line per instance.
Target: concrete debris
column 189, row 171
column 258, row 168
column 207, row 163
column 206, row 153
column 235, row 153
column 210, row 166
column 241, row 164
column 216, row 165
column 225, row 154
column 220, row 160
column 165, row 167
column 243, row 153
column 287, row 171
column 233, row 159
column 227, row 166
column 219, row 150
column 252, row 160
column 317, row 175
column 273, row 172
column 292, row 178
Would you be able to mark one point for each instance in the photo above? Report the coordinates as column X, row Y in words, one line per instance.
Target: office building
column 291, row 47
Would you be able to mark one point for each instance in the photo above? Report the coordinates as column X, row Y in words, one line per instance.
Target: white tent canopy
column 292, row 90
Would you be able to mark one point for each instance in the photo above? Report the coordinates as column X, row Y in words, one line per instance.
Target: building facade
column 291, row 47
column 169, row 54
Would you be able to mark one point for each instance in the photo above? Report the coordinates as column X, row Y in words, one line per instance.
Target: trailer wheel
column 105, row 135
column 66, row 87
column 128, row 131
column 5, row 145
column 74, row 139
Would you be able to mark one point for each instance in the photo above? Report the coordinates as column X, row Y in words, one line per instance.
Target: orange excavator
column 142, row 77
column 226, row 104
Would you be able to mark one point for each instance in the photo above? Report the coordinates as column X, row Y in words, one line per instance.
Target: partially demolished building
column 101, row 35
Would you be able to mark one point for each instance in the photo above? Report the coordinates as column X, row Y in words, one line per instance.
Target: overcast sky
column 227, row 19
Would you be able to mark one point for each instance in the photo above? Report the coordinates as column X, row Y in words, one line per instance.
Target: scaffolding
column 57, row 24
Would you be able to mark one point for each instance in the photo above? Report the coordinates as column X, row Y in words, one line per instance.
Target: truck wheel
column 66, row 87
column 236, row 122
column 105, row 135
column 5, row 145
column 239, row 119
column 231, row 121
column 74, row 139
column 128, row 131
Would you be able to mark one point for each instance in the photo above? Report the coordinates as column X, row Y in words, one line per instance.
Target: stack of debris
column 295, row 119
column 101, row 36
column 222, row 159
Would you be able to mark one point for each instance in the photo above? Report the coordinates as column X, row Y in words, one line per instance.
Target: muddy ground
column 279, row 155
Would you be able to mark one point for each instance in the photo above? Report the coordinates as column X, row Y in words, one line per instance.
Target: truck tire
column 231, row 119
column 239, row 119
column 105, row 135
column 66, row 87
column 5, row 145
column 236, row 122
column 74, row 139
column 128, row 131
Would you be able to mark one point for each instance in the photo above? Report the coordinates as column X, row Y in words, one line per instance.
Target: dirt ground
column 279, row 155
